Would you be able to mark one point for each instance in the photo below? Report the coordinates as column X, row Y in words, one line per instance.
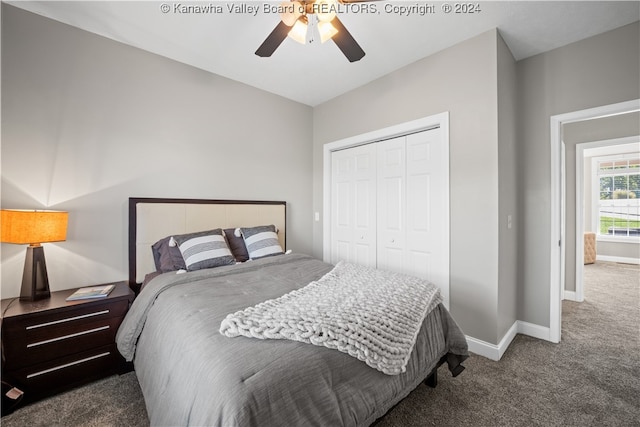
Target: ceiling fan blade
column 345, row 41
column 273, row 40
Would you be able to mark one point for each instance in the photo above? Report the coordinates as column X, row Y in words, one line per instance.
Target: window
column 619, row 195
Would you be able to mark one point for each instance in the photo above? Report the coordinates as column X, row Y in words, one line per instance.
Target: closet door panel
column 353, row 198
column 391, row 204
column 341, row 252
column 341, row 233
column 418, row 248
column 364, row 247
column 342, row 230
column 364, row 239
column 420, row 264
column 425, row 189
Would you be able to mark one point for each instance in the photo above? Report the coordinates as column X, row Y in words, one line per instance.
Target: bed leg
column 432, row 380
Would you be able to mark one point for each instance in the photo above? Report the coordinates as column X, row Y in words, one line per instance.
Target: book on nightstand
column 91, row 292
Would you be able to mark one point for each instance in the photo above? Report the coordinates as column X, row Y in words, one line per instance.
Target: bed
column 191, row 374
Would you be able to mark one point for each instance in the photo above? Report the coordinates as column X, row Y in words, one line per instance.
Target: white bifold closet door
column 388, row 206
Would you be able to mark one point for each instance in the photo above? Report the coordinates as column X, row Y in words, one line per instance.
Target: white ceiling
column 224, row 43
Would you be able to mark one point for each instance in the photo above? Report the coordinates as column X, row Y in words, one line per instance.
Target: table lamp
column 33, row 227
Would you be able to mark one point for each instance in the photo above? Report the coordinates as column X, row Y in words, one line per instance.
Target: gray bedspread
column 190, row 374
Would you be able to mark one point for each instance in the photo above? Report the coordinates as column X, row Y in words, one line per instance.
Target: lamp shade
column 33, row 226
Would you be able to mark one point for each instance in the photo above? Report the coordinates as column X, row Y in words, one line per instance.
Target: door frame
column 557, row 211
column 440, row 120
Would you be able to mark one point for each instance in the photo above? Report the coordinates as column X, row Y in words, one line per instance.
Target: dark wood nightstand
column 52, row 345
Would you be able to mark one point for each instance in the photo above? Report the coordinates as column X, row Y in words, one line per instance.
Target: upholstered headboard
column 151, row 219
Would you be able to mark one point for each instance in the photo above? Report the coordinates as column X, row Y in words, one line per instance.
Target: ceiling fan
column 298, row 16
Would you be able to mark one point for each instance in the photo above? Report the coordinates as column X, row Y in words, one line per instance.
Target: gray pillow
column 236, row 244
column 261, row 241
column 205, row 249
column 167, row 258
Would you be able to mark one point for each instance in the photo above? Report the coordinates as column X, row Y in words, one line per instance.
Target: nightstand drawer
column 39, row 346
column 69, row 370
column 48, row 322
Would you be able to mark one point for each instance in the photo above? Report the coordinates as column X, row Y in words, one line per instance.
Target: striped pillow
column 261, row 241
column 205, row 249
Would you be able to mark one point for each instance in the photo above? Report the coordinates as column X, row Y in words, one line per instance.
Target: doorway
column 558, row 185
column 584, row 219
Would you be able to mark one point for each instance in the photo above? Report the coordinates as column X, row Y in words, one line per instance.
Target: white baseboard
column 492, row 351
column 570, row 295
column 618, row 259
column 535, row 331
column 483, row 348
column 495, row 352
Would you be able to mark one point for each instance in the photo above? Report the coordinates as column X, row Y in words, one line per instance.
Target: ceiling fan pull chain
column 312, row 26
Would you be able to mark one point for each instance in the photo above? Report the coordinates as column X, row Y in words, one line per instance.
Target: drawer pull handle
column 66, row 365
column 77, row 334
column 68, row 319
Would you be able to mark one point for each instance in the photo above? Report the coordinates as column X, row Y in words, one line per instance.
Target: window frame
column 595, row 194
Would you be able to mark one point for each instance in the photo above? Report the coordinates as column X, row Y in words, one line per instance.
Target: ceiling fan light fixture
column 302, row 29
column 290, row 11
column 325, row 10
column 299, row 31
column 326, row 30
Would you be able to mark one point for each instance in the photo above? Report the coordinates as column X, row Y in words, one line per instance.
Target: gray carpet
column 592, row 378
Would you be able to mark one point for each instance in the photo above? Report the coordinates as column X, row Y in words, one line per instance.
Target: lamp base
column 35, row 282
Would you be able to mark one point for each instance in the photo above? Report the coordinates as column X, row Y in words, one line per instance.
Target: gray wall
column 441, row 82
column 508, row 190
column 88, row 122
column 597, row 71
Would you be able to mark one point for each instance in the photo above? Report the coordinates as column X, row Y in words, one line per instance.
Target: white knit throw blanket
column 372, row 315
